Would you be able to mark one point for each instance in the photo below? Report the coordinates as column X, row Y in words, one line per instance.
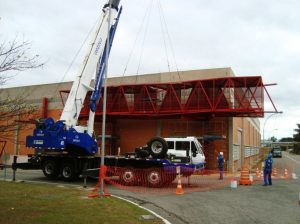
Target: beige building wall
column 246, row 142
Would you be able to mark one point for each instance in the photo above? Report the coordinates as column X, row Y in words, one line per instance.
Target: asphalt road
column 246, row 204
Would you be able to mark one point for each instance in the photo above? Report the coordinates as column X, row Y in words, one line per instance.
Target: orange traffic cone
column 179, row 189
column 261, row 174
column 286, row 173
column 244, row 179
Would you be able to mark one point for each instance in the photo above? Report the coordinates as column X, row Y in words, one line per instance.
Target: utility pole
column 104, row 99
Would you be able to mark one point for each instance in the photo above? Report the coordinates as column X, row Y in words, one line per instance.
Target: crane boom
column 65, row 135
column 87, row 72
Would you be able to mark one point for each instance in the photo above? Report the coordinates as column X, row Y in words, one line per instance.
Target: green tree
column 297, row 139
column 287, row 139
column 273, row 139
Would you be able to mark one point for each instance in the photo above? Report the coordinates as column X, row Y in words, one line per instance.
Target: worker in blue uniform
column 220, row 165
column 268, row 170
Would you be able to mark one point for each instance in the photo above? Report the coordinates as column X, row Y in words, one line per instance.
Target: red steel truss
column 220, row 97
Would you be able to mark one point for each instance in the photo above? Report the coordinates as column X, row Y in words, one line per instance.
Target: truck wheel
column 68, row 171
column 154, row 178
column 127, row 176
column 157, row 147
column 50, row 168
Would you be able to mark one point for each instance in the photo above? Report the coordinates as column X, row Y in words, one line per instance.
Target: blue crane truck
column 67, row 150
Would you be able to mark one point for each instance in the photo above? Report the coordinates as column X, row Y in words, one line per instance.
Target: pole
column 104, row 100
column 16, row 145
column 4, row 161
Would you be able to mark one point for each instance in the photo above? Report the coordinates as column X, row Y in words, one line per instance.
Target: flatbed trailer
column 129, row 169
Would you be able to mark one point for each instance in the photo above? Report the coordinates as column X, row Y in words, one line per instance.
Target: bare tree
column 14, row 114
column 15, row 57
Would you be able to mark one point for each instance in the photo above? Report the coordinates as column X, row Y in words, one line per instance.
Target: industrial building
column 213, row 104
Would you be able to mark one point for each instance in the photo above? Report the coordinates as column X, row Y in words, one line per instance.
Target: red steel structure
column 198, row 99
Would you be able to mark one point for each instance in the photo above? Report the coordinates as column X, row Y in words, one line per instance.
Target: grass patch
column 34, row 203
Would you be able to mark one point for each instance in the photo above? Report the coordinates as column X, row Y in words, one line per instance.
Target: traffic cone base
column 245, row 182
column 94, row 192
column 93, row 195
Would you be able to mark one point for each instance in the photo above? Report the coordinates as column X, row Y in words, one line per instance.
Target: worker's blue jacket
column 268, row 163
column 220, row 161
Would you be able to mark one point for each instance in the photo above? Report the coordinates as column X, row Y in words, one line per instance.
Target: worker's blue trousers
column 221, row 173
column 268, row 177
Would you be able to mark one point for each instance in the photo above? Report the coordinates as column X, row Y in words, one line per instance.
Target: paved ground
column 246, row 204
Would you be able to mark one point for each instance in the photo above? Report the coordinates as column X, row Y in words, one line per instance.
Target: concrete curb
column 152, row 212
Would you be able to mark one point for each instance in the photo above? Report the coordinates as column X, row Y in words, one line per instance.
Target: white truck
column 185, row 150
column 177, row 149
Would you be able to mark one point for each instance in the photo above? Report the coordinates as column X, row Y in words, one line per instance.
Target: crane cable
column 144, row 38
column 165, row 35
column 169, row 37
column 147, row 12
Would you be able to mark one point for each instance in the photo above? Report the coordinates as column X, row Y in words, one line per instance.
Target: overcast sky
column 252, row 37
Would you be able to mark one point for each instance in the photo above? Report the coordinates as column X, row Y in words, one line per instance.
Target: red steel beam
column 228, row 96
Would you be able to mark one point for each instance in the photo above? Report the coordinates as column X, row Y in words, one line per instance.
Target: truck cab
column 185, row 150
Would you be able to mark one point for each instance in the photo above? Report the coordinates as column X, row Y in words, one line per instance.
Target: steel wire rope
column 137, row 36
column 170, row 40
column 163, row 36
column 164, row 31
column 143, row 41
